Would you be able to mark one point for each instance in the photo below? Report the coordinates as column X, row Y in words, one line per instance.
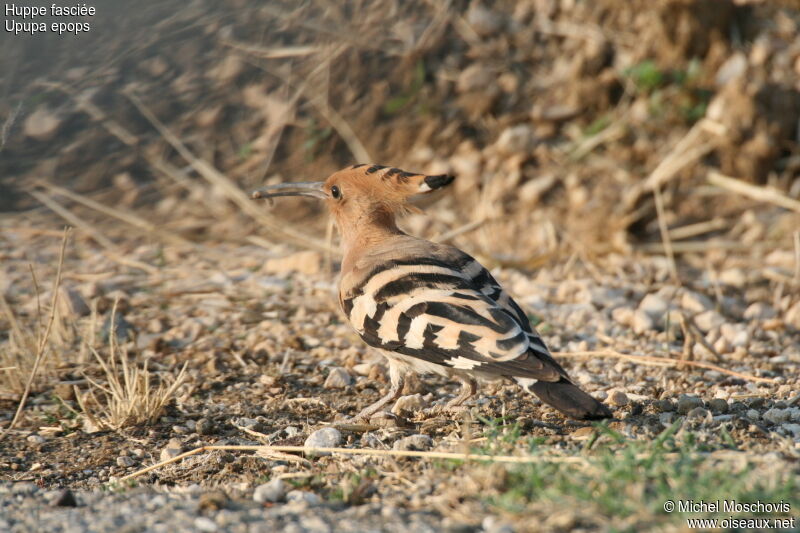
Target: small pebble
column 642, row 322
column 324, row 438
column 686, row 403
column 413, row 443
column 205, row 524
column 698, row 412
column 776, row 416
column 303, row 496
column 696, row 302
column 654, row 306
column 273, row 491
column 794, row 429
column 760, row 311
column 718, row 406
column 36, row 439
column 169, row 453
column 407, row 404
column 618, row 398
column 752, row 414
column 124, row 461
column 370, row 440
column 338, row 378
column 203, row 426
column 708, row 320
column 757, row 403
column 663, row 406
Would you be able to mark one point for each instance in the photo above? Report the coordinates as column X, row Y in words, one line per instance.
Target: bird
column 429, row 307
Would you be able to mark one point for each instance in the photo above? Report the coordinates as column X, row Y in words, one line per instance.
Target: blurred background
column 565, row 122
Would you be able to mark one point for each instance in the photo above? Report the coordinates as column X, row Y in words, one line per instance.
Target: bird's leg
column 468, row 389
column 397, row 381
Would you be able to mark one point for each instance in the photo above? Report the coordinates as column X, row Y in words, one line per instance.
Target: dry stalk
column 796, row 239
column 453, row 233
column 8, row 124
column 116, row 212
column 333, row 117
column 453, row 456
column 93, row 232
column 691, row 247
column 665, row 238
column 692, row 230
column 42, row 336
column 234, row 193
column 128, row 397
column 760, row 194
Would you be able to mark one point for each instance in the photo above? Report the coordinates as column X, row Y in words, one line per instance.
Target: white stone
column 273, row 491
column 169, row 453
column 324, row 438
column 760, row 311
column 623, row 316
column 338, row 378
column 363, row 369
column 36, row 439
column 124, row 461
column 792, row 316
column 205, row 524
column 708, row 320
column 696, row 302
column 41, row 125
column 735, row 334
column 642, row 322
column 301, row 496
column 654, row 306
column 733, row 68
column 407, row 404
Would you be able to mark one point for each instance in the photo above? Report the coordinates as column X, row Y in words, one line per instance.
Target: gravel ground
column 271, row 362
column 27, row 508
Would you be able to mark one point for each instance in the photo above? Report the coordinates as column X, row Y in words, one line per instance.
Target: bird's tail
column 569, row 399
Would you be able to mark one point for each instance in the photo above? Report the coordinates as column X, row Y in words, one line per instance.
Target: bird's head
column 362, row 195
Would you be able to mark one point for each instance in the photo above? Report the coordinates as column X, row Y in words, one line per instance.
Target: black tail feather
column 570, row 400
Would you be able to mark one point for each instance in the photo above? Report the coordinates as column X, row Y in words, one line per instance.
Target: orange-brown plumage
column 429, row 307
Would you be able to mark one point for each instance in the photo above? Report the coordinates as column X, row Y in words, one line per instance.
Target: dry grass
column 27, row 352
column 130, row 395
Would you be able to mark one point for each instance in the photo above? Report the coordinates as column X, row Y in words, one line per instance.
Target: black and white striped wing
column 436, row 311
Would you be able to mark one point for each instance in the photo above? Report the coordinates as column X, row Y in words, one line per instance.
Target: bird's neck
column 364, row 232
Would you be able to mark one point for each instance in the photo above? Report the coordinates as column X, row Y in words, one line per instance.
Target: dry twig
column 41, row 348
column 453, row 456
column 93, row 232
column 129, row 396
column 761, row 194
column 216, row 178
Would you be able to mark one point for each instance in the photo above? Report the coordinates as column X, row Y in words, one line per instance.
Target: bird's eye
column 336, row 192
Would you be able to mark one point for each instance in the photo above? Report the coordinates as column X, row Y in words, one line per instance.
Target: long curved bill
column 299, row 188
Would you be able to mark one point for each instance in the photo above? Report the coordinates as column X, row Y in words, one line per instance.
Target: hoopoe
column 429, row 307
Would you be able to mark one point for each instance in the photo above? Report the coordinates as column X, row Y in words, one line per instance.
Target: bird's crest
column 387, row 185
